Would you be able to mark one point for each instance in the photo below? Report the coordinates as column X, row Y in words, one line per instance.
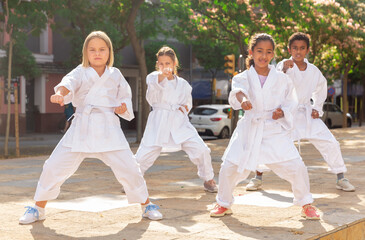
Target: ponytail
column 249, row 62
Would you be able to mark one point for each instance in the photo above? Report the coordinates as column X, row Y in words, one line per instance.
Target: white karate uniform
column 169, row 129
column 311, row 84
column 95, row 132
column 258, row 139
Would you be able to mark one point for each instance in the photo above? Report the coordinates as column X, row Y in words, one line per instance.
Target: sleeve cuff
column 128, row 115
column 233, row 101
column 68, row 98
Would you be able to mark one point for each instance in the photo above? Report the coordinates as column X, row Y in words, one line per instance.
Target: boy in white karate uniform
column 98, row 91
column 310, row 84
column 168, row 127
column 262, row 136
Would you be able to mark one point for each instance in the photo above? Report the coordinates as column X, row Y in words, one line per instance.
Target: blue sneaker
column 32, row 214
column 151, row 211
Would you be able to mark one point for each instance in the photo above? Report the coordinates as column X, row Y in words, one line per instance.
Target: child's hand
column 164, row 73
column 315, row 114
column 57, row 98
column 278, row 113
column 246, row 105
column 186, row 107
column 121, row 109
column 288, row 64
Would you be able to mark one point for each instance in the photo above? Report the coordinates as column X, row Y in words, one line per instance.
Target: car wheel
column 349, row 123
column 328, row 123
column 224, row 133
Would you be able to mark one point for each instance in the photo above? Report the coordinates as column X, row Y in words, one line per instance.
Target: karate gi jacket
column 309, row 84
column 167, row 126
column 258, row 139
column 95, row 127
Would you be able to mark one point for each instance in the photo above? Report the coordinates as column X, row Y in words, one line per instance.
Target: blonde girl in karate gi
column 98, row 91
column 310, row 84
column 168, row 127
column 262, row 136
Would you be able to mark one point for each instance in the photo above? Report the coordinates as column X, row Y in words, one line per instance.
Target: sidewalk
column 91, row 205
column 32, row 144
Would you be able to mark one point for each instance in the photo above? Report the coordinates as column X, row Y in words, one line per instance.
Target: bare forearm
column 62, row 91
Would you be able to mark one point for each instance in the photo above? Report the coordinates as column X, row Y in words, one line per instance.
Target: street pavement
column 91, row 205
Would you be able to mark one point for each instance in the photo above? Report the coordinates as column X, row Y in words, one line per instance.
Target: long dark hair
column 255, row 39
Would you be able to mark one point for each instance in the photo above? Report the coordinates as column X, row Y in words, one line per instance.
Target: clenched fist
column 278, row 113
column 246, row 105
column 121, row 109
column 315, row 114
column 57, row 98
column 288, row 64
column 186, row 108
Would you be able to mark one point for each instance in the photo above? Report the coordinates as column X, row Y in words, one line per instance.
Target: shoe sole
column 344, row 189
column 210, row 191
column 222, row 214
column 311, row 218
column 157, row 219
column 253, row 189
column 25, row 223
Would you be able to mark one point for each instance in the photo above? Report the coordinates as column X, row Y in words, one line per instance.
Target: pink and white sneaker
column 310, row 212
column 219, row 211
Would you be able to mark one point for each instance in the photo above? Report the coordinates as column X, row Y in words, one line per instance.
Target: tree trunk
column 362, row 102
column 344, row 94
column 138, row 49
column 6, row 153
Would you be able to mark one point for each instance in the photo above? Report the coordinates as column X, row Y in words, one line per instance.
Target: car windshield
column 204, row 111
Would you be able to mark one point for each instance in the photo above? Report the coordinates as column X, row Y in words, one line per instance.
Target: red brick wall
column 49, row 122
column 53, row 80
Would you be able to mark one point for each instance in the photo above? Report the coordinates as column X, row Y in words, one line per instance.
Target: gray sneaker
column 254, row 185
column 210, row 186
column 345, row 185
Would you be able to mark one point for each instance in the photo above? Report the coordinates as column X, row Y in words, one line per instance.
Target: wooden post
column 16, row 116
column 6, row 150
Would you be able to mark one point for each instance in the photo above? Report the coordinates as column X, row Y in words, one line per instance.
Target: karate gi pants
column 63, row 163
column 294, row 171
column 197, row 150
column 330, row 150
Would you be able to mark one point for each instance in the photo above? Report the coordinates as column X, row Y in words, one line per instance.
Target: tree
column 22, row 19
column 125, row 22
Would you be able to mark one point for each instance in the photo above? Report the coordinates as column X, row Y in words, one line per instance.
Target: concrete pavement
column 91, row 205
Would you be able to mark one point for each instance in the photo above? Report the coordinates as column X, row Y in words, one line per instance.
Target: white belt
column 307, row 109
column 84, row 114
column 254, row 133
column 166, row 106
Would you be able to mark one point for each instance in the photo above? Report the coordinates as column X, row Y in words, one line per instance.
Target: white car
column 212, row 119
column 332, row 115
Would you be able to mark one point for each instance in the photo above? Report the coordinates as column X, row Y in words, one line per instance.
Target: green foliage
column 211, row 57
column 24, row 18
column 78, row 18
column 23, row 64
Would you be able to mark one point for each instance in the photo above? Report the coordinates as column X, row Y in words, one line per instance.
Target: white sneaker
column 32, row 214
column 254, row 184
column 151, row 212
column 345, row 185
